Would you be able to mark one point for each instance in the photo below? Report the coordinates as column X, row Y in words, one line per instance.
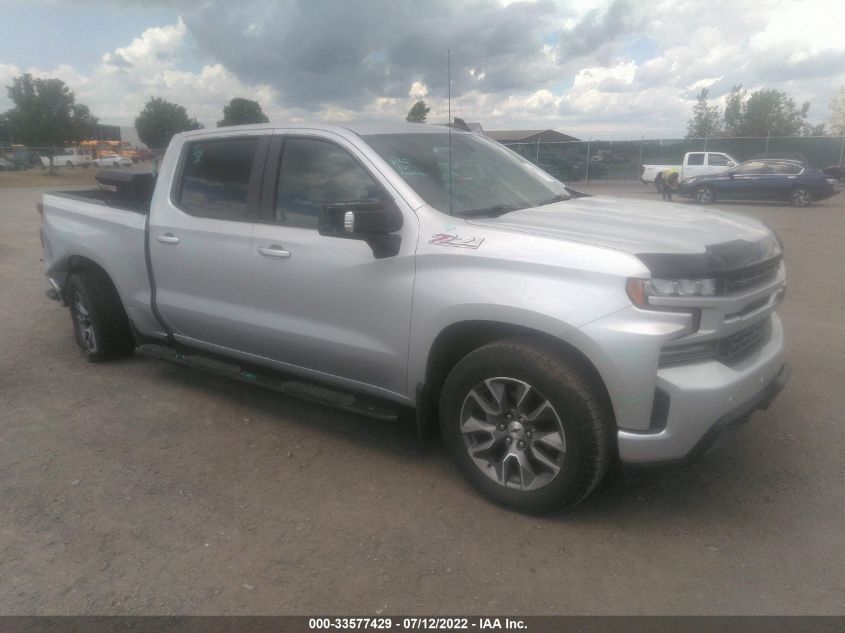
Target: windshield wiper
column 494, row 211
column 558, row 198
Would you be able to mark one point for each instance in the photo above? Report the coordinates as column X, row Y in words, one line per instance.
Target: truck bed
column 106, row 199
column 94, row 227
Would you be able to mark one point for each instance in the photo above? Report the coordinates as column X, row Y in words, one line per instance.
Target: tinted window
column 315, row 173
column 216, row 175
column 751, row 168
column 695, row 159
column 790, row 169
column 718, row 160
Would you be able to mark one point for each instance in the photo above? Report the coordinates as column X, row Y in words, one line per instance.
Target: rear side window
column 695, row 159
column 718, row 160
column 751, row 168
column 315, row 173
column 215, row 177
column 790, row 169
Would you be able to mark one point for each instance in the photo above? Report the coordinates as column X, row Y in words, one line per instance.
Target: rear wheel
column 801, row 197
column 69, row 165
column 705, row 195
column 525, row 427
column 100, row 325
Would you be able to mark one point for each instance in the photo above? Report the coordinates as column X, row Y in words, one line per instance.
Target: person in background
column 670, row 184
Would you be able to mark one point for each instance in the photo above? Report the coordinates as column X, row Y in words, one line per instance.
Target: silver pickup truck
column 419, row 269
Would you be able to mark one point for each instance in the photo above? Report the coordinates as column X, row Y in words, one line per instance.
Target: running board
column 312, row 392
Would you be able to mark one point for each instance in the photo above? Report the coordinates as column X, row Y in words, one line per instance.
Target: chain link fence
column 575, row 161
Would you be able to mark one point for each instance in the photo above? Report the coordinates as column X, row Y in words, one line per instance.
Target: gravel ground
column 144, row 488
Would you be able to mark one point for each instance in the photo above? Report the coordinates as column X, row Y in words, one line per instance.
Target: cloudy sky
column 606, row 69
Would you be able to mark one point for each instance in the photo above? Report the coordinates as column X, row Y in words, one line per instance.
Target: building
column 508, row 137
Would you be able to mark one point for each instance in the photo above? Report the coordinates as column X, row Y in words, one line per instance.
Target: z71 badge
column 459, row 241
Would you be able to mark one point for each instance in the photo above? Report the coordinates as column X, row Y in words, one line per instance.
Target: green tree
column 837, row 112
column 418, row 112
column 42, row 115
column 734, row 111
column 160, row 120
column 83, row 123
column 241, row 111
column 706, row 120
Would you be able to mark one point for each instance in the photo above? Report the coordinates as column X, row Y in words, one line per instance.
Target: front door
column 330, row 304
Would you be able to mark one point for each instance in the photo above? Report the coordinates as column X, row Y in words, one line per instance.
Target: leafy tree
column 160, row 120
column 83, row 123
column 735, row 111
column 772, row 112
column 418, row 112
column 837, row 112
column 241, row 111
column 706, row 120
column 42, row 114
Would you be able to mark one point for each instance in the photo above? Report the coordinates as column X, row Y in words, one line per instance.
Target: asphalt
column 139, row 487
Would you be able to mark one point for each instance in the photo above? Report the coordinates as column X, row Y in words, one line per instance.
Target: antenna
column 449, row 123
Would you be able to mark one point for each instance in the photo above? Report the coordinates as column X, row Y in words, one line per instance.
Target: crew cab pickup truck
column 548, row 333
column 694, row 164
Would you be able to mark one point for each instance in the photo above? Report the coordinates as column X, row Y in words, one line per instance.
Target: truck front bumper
column 705, row 400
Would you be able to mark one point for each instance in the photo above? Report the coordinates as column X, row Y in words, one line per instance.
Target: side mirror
column 371, row 221
column 359, row 219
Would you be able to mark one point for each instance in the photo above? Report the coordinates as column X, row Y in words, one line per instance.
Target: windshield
column 486, row 178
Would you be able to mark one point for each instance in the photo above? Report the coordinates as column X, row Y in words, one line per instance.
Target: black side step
column 312, row 392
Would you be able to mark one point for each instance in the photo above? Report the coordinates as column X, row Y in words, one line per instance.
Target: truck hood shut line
column 683, row 239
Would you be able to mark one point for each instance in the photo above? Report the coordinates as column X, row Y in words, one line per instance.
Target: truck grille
column 751, row 276
column 735, row 347
column 728, row 350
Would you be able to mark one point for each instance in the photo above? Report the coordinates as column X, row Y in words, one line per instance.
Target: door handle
column 168, row 238
column 274, row 250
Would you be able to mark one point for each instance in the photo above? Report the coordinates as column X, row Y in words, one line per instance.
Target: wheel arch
column 458, row 339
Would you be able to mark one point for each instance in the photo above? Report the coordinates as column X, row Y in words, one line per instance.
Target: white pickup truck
column 549, row 334
column 695, row 164
column 69, row 157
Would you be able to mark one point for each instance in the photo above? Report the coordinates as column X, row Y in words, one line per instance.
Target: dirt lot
column 144, row 488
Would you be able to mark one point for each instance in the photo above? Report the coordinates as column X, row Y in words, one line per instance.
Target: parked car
column 607, row 156
column 694, row 164
column 7, row 165
column 112, row 161
column 764, row 179
column 25, row 158
column 547, row 333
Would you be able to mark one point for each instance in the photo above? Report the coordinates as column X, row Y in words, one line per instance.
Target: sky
column 609, row 69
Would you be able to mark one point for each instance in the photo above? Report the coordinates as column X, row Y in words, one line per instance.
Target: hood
column 671, row 239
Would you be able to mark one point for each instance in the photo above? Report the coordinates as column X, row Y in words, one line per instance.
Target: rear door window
column 718, row 160
column 216, row 178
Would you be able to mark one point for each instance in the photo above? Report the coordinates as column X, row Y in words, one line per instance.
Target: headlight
column 832, row 181
column 639, row 290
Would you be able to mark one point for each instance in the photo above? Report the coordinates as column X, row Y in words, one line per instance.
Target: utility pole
column 587, row 175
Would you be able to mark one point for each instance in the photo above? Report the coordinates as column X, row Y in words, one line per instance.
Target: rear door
column 201, row 240
column 694, row 165
column 329, row 304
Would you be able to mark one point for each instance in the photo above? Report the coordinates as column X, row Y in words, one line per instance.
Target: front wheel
column 526, row 427
column 100, row 325
column 705, row 195
column 801, row 197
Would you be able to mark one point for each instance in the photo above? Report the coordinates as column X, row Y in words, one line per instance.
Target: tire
column 801, row 197
column 558, row 402
column 705, row 194
column 100, row 325
column 69, row 165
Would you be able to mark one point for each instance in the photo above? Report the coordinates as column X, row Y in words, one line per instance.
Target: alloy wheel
column 513, row 433
column 84, row 323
